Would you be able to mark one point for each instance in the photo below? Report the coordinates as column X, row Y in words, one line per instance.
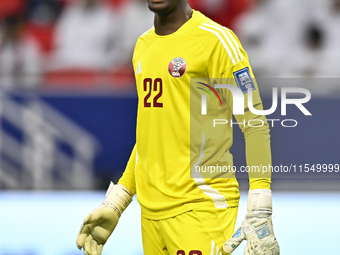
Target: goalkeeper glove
column 257, row 228
column 100, row 223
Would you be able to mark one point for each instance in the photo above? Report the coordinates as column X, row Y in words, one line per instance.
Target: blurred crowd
column 292, row 38
column 44, row 39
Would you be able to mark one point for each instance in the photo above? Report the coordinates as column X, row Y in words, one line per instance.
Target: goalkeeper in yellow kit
column 185, row 209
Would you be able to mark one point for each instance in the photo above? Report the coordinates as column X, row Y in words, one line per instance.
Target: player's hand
column 100, row 223
column 257, row 228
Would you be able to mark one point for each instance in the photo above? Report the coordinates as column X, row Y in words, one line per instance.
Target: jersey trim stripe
column 213, row 248
column 217, row 251
column 140, row 66
column 136, row 158
column 232, row 38
column 222, row 41
column 147, row 31
column 217, row 198
column 226, row 37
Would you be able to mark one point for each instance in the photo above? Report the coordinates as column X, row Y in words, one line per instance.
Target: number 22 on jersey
column 155, row 85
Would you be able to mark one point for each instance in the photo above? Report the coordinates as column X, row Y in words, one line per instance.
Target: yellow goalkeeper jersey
column 176, row 140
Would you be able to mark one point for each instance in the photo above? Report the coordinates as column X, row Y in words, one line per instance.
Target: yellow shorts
column 197, row 232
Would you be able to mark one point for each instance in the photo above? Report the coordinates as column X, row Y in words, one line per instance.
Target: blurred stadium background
column 68, row 115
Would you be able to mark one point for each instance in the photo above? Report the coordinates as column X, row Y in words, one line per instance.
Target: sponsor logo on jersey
column 177, row 67
column 244, row 80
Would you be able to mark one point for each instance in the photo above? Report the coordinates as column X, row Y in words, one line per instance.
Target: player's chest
column 164, row 69
column 173, row 60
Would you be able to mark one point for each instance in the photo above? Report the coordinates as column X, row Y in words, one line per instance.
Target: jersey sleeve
column 256, row 132
column 128, row 178
column 230, row 65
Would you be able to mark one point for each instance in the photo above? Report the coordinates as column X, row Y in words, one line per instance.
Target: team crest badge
column 177, row 67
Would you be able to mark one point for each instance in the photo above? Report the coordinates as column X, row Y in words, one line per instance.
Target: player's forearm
column 258, row 155
column 128, row 178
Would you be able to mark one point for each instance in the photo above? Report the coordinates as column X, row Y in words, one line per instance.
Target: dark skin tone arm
column 170, row 15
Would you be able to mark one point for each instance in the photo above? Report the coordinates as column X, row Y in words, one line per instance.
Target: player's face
column 164, row 6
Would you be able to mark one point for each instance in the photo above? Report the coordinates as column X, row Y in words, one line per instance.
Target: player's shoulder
column 211, row 30
column 142, row 39
column 146, row 34
column 217, row 38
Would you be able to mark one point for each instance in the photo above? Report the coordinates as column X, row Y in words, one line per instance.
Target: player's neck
column 166, row 24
